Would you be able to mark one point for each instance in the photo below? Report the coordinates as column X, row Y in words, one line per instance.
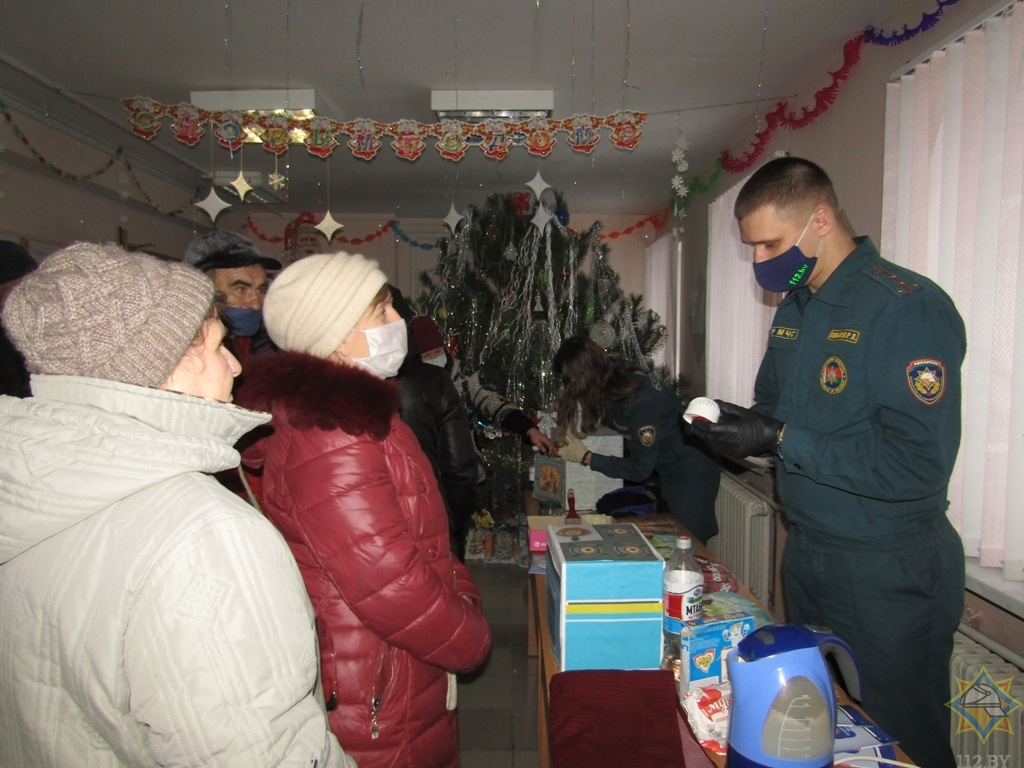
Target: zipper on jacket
column 377, row 699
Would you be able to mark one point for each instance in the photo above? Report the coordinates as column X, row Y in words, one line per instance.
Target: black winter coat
column 432, row 408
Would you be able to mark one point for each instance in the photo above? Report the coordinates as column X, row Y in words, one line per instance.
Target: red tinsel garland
column 823, row 99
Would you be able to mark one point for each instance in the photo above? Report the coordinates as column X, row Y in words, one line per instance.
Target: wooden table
column 539, row 644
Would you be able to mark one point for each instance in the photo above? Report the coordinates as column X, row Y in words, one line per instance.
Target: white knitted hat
column 316, row 302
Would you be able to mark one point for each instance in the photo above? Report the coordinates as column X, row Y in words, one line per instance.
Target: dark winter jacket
column 432, row 408
column 353, row 494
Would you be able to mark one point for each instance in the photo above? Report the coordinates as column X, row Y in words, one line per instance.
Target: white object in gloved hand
column 574, row 449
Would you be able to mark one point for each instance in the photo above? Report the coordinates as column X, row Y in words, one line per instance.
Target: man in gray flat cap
column 239, row 273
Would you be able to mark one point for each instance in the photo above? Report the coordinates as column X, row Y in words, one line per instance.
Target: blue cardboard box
column 604, row 597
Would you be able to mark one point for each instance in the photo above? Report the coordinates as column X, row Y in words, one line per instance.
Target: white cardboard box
column 588, row 485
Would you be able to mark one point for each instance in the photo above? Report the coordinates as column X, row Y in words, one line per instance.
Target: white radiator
column 1000, row 749
column 746, row 535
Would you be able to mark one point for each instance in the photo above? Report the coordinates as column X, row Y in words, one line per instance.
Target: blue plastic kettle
column 783, row 711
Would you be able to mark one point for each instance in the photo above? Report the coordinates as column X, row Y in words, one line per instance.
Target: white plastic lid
column 684, row 542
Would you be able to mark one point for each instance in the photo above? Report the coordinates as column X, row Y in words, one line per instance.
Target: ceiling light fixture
column 488, row 105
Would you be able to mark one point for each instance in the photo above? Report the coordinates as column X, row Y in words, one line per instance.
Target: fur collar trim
column 312, row 393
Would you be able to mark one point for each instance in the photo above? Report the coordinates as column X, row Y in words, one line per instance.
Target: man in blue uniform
column 858, row 398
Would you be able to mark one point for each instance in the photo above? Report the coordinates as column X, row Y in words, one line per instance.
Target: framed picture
column 549, row 479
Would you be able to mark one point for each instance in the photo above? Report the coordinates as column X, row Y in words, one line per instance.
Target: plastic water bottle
column 683, row 583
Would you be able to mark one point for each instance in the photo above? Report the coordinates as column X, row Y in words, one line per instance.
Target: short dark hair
column 791, row 185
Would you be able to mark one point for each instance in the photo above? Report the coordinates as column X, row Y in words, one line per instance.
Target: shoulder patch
column 926, row 379
column 898, row 280
column 646, row 435
column 781, row 332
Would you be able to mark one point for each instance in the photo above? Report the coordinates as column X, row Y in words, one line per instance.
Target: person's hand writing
column 574, row 450
column 739, row 432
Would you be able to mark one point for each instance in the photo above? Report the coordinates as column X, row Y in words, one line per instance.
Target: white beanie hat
column 316, row 302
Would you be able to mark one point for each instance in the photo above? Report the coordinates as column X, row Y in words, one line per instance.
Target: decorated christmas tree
column 512, row 282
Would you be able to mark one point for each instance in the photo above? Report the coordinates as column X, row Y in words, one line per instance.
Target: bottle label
column 684, row 591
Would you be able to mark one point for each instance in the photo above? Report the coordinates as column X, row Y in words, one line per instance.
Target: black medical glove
column 739, row 432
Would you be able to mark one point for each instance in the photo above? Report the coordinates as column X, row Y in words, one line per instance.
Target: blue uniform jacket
column 866, row 375
column 650, row 425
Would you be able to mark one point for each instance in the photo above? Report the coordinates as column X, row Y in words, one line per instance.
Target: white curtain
column 739, row 313
column 954, row 176
column 660, row 291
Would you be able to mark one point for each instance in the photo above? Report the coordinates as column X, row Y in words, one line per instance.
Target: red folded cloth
column 615, row 718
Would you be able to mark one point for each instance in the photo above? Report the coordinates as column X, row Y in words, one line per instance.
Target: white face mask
column 388, row 347
column 440, row 361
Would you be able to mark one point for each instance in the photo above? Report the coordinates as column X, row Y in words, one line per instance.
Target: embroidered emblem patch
column 926, row 379
column 833, row 376
column 844, row 334
column 779, row 332
column 646, row 435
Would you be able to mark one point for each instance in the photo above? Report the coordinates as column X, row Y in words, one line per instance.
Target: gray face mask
column 388, row 348
column 440, row 361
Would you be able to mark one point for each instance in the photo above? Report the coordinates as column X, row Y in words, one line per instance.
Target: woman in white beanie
column 150, row 617
column 348, row 485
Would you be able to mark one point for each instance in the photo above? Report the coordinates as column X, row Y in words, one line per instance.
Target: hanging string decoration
column 404, row 238
column 42, row 159
column 452, row 138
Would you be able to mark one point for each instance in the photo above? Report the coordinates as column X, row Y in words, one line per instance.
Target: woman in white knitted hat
column 348, row 485
column 150, row 617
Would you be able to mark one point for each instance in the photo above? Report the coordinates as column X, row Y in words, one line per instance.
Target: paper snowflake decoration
column 678, row 157
column 275, row 181
column 679, row 186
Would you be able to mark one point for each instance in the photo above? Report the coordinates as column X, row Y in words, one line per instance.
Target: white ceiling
column 707, row 68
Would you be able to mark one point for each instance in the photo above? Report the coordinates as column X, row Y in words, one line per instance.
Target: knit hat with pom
column 99, row 311
column 317, row 301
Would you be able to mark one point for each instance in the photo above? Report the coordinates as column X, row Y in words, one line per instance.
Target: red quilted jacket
column 354, row 496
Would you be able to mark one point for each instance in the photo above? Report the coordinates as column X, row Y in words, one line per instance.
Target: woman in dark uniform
column 598, row 388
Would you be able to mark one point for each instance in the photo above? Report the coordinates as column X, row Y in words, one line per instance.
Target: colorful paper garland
column 453, row 138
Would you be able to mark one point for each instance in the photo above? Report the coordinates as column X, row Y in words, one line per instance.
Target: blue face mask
column 242, row 321
column 790, row 269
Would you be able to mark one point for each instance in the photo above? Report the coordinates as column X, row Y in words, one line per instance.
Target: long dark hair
column 590, row 378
